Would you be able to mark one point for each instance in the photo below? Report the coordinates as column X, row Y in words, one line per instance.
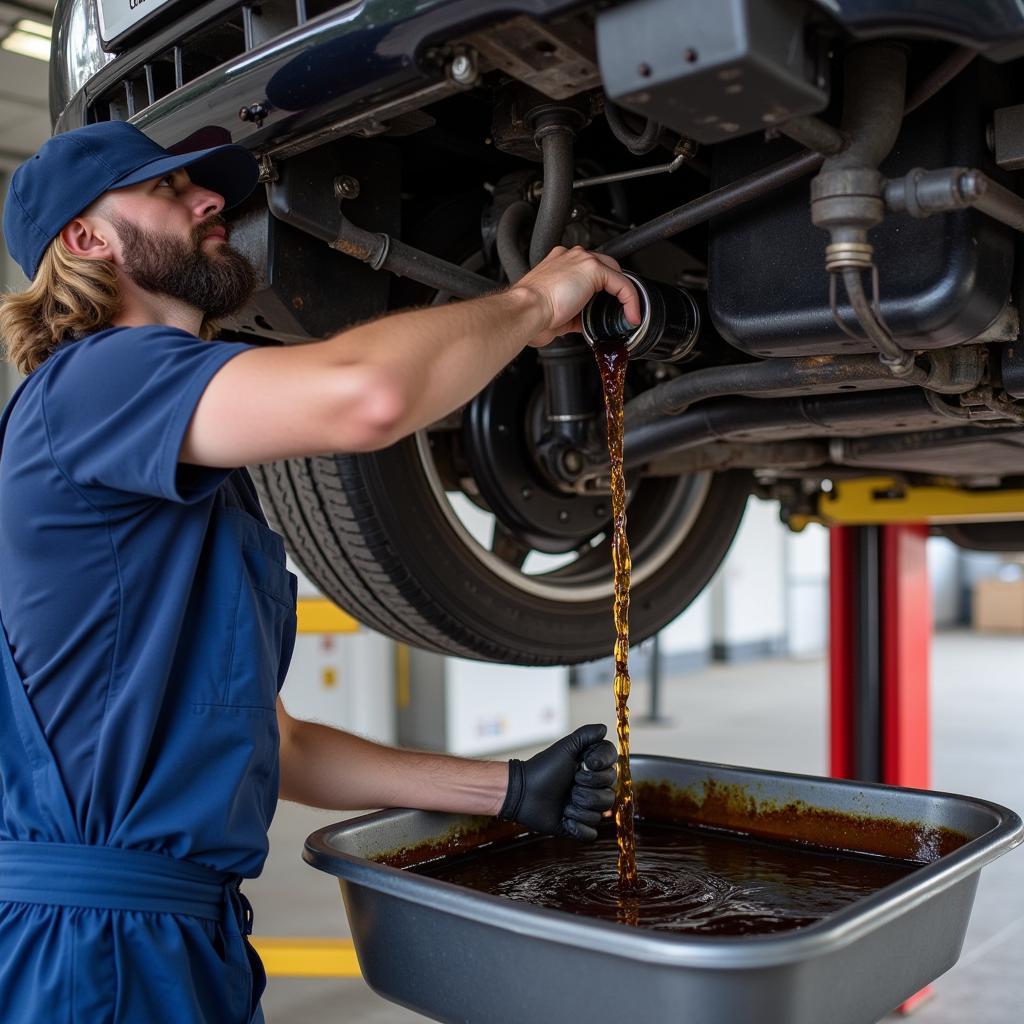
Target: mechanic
column 148, row 615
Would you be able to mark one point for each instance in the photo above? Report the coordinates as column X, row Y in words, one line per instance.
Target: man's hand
column 565, row 789
column 566, row 279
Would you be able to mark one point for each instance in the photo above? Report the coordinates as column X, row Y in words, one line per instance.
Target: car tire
column 371, row 533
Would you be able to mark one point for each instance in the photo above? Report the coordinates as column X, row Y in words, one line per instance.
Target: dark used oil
column 691, row 879
column 612, row 361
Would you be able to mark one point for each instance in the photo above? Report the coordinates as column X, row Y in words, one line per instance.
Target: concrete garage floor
column 766, row 714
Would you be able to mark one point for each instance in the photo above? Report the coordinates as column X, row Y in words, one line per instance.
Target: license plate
column 117, row 17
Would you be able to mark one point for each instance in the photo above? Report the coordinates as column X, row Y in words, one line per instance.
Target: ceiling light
column 35, row 28
column 27, row 44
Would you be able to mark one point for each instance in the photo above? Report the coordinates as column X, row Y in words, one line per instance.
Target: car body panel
column 366, row 53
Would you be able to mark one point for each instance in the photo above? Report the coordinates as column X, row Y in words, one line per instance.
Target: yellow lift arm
column 876, row 500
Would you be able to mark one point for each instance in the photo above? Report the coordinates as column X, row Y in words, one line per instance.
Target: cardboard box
column 998, row 606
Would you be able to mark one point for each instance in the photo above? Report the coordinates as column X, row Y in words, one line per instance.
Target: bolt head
column 572, row 460
column 256, row 112
column 463, row 69
column 268, row 170
column 346, row 187
column 686, row 147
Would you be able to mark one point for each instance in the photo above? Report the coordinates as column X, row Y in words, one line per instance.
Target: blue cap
column 75, row 168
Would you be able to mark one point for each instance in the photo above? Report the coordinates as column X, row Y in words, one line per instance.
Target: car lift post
column 654, row 678
column 880, row 613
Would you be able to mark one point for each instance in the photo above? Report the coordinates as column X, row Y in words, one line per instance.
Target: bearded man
column 148, row 617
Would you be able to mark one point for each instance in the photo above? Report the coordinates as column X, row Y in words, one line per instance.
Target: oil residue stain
column 737, row 809
column 729, row 809
column 691, row 880
column 612, row 361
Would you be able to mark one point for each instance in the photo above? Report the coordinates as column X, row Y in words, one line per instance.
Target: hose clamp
column 381, row 256
column 849, row 256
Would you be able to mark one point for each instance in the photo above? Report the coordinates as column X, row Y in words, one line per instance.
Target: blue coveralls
column 148, row 622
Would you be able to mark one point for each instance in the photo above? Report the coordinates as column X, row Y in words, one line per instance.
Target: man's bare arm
column 325, row 767
column 367, row 387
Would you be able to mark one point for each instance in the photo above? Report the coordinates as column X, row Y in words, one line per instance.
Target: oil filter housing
column 669, row 322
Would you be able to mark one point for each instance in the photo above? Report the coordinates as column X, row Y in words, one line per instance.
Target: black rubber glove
column 563, row 790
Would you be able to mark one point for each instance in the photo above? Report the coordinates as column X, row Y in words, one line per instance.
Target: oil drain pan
column 457, row 955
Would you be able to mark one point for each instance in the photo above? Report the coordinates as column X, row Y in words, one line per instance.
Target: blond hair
column 69, row 298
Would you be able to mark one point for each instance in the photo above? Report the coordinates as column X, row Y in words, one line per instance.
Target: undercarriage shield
column 710, row 71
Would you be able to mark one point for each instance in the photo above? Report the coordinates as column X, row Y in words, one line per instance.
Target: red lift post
column 880, row 614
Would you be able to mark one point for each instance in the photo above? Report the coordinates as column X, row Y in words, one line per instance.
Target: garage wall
column 686, row 641
column 807, row 565
column 945, row 573
column 748, row 596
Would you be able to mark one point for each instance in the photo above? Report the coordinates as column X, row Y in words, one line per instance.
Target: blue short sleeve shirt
column 146, row 602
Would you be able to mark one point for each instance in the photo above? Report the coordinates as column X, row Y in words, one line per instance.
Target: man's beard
column 218, row 284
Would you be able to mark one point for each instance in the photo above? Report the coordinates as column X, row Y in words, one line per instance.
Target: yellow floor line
column 307, row 958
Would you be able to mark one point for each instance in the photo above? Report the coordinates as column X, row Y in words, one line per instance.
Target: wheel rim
column 681, row 501
column 576, row 578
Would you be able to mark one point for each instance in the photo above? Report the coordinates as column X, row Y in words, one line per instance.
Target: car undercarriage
column 832, row 187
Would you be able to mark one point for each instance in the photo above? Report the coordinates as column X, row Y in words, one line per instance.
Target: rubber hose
column 510, row 228
column 638, row 143
column 556, row 199
column 873, row 99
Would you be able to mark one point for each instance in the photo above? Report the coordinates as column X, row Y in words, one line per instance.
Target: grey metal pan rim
column 1004, row 831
